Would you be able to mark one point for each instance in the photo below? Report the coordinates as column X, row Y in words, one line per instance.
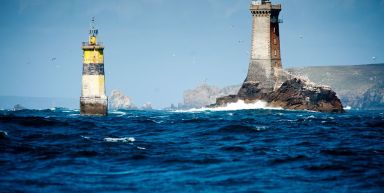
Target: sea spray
column 239, row 105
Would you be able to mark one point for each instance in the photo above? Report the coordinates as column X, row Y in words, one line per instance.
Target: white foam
column 4, row 133
column 239, row 105
column 119, row 113
column 347, row 108
column 85, row 137
column 123, row 139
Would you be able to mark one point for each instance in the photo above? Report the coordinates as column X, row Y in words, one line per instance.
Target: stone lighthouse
column 93, row 100
column 265, row 62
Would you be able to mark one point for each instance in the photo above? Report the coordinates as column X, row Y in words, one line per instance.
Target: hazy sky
column 156, row 49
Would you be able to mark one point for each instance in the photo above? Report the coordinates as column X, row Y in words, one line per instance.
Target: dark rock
column 300, row 95
column 250, row 90
column 294, row 94
column 221, row 101
column 357, row 86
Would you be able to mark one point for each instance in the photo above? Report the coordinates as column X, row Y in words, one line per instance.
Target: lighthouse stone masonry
column 265, row 62
column 93, row 100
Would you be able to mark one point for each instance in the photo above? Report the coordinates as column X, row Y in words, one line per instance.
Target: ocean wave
column 3, row 134
column 33, row 121
column 242, row 129
column 239, row 105
column 118, row 113
column 122, row 139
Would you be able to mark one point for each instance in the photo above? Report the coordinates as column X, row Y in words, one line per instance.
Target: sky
column 156, row 49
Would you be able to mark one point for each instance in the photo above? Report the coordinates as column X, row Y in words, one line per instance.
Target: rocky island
column 266, row 79
column 296, row 94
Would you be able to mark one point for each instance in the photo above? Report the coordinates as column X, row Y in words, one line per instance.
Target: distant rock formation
column 373, row 98
column 147, row 106
column 118, row 100
column 205, row 94
column 357, row 86
column 18, row 107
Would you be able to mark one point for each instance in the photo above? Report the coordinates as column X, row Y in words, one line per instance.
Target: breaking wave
column 239, row 105
column 122, row 139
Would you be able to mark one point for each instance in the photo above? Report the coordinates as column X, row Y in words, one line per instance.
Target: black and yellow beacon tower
column 93, row 100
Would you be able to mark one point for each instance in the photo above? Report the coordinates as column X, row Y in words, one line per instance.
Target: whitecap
column 3, row 134
column 141, row 148
column 347, row 108
column 311, row 117
column 158, row 122
column 122, row 139
column 86, row 137
column 261, row 128
column 119, row 113
column 239, row 105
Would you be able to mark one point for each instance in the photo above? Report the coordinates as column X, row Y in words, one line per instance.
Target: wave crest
column 122, row 139
column 239, row 105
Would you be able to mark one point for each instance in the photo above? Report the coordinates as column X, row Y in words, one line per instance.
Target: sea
column 197, row 150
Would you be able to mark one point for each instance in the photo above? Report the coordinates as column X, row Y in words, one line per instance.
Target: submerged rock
column 294, row 94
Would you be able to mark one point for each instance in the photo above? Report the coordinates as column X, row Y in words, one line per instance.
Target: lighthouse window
column 275, row 52
column 274, row 40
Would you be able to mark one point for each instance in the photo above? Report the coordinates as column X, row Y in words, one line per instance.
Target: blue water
column 161, row 151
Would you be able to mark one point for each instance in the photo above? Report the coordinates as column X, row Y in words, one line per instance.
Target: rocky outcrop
column 18, row 107
column 357, row 86
column 147, row 106
column 204, row 95
column 294, row 94
column 373, row 98
column 300, row 95
column 118, row 100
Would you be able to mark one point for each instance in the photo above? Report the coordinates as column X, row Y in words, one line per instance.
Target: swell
column 191, row 152
column 32, row 121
